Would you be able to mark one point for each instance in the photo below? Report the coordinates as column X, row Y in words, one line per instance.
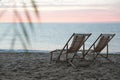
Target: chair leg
column 95, row 56
column 107, row 51
column 106, row 58
column 83, row 52
column 73, row 56
column 58, row 59
column 51, row 55
column 66, row 56
column 71, row 64
column 102, row 56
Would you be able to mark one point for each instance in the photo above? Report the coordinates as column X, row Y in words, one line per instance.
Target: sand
column 36, row 66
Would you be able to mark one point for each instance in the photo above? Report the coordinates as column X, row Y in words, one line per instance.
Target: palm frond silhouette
column 25, row 38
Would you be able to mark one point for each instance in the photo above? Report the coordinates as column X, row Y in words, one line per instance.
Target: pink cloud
column 65, row 16
column 80, row 16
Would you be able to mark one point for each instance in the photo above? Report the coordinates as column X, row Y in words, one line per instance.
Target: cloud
column 66, row 4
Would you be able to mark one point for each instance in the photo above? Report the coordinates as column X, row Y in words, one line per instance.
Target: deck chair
column 100, row 44
column 77, row 42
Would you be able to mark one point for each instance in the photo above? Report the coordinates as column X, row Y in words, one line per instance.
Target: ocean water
column 50, row 36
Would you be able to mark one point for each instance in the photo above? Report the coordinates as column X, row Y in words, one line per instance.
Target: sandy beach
column 36, row 66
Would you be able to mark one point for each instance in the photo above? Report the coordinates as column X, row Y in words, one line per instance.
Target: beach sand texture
column 36, row 66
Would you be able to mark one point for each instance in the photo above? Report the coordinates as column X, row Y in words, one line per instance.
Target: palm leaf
column 28, row 17
column 25, row 32
column 13, row 41
column 35, row 9
column 25, row 39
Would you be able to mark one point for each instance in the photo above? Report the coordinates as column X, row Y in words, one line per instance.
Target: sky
column 62, row 10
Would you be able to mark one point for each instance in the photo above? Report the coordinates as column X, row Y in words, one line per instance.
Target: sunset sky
column 63, row 10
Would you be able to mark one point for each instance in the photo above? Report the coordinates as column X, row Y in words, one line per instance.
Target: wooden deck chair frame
column 67, row 45
column 95, row 46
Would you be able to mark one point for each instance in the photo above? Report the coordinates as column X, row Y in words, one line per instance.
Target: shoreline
column 34, row 51
column 23, row 51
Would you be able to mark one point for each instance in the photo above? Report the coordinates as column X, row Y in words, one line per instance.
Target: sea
column 51, row 36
